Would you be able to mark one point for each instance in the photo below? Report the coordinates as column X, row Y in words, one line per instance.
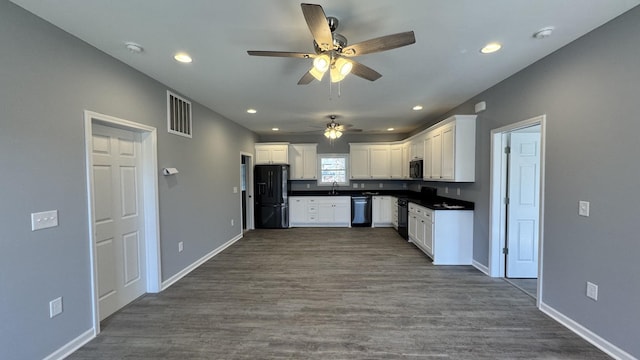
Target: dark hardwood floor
column 333, row 294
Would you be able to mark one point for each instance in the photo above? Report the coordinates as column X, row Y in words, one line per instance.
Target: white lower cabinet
column 319, row 211
column 446, row 236
column 381, row 211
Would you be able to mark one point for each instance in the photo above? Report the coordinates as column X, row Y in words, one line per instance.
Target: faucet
column 333, row 188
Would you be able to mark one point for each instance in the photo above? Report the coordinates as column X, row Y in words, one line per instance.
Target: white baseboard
column 586, row 334
column 172, row 280
column 72, row 346
column 480, row 267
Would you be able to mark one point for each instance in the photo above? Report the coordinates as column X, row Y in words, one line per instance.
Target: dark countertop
column 433, row 203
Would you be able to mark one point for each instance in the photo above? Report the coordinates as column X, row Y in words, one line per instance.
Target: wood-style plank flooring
column 333, row 294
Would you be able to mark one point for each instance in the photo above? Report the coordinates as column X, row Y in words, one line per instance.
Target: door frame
column 497, row 235
column 149, row 175
column 249, row 201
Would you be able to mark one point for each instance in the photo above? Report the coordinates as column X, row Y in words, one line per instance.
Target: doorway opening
column 517, row 194
column 246, row 185
column 141, row 259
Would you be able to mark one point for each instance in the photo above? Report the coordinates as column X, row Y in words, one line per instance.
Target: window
column 333, row 168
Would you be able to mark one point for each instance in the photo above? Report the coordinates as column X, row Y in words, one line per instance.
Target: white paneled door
column 119, row 221
column 524, row 208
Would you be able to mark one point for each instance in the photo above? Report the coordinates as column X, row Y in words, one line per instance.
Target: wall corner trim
column 586, row 334
column 483, row 269
column 72, row 345
column 172, row 280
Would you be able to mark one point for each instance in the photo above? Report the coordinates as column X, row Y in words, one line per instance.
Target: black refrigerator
column 271, row 202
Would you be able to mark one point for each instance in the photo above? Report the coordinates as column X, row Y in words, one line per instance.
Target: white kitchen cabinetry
column 319, row 211
column 449, row 150
column 446, row 236
column 416, row 148
column 382, row 211
column 370, row 161
column 304, row 161
column 397, row 161
column 394, row 212
column 272, row 153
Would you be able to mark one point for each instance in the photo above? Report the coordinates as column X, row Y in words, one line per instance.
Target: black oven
column 415, row 169
column 403, row 218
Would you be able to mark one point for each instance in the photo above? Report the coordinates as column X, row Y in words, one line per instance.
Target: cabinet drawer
column 312, row 217
column 312, row 208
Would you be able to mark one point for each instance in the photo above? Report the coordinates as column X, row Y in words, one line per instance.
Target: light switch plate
column 583, row 208
column 592, row 291
column 43, row 220
column 235, row 189
column 55, row 307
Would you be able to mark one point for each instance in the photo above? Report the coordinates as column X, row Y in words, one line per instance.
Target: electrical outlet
column 404, row 185
column 55, row 307
column 446, row 189
column 355, row 185
column 458, row 191
column 380, row 185
column 583, row 208
column 180, row 246
column 308, row 186
column 592, row 291
column 43, row 220
column 235, row 189
column 361, row 185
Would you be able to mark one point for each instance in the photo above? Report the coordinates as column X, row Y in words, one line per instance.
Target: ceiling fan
column 332, row 53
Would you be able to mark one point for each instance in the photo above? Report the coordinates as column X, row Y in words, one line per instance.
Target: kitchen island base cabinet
column 446, row 236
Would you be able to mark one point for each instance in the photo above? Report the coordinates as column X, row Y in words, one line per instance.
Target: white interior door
column 118, row 217
column 524, row 208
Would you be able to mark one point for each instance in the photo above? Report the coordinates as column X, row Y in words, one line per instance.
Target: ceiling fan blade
column 317, row 22
column 382, row 43
column 306, row 79
column 364, row 72
column 281, row 54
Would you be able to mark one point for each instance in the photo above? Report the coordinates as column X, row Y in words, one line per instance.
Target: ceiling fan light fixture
column 321, row 63
column 340, row 69
column 332, row 134
column 317, row 74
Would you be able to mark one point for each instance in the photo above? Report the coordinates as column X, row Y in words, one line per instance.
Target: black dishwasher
column 361, row 210
column 403, row 217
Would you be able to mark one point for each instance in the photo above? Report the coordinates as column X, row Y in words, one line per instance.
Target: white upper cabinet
column 272, row 153
column 416, row 148
column 370, row 161
column 450, row 150
column 397, row 161
column 304, row 160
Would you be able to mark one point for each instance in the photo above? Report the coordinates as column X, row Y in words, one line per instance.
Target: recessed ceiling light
column 491, row 48
column 134, row 47
column 390, row 129
column 417, row 107
column 275, row 129
column 543, row 33
column 252, row 111
column 183, row 57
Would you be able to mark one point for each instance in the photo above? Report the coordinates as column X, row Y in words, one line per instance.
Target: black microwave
column 415, row 169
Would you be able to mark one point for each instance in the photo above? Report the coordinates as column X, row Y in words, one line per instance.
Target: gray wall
column 589, row 92
column 47, row 79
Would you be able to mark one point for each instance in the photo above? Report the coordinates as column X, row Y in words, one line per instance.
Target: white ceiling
column 441, row 70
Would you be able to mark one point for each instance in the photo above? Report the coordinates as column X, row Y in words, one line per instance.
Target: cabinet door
column 448, row 152
column 385, row 209
column 359, row 162
column 406, row 156
column 296, row 160
column 326, row 212
column 436, row 155
column 310, row 163
column 263, row 155
column 427, row 163
column 342, row 213
column 420, row 230
column 396, row 162
column 297, row 210
column 375, row 210
column 413, row 226
column 428, row 238
column 379, row 162
column 280, row 154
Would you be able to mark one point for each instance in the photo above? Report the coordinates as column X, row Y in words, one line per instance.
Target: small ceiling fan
column 332, row 53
